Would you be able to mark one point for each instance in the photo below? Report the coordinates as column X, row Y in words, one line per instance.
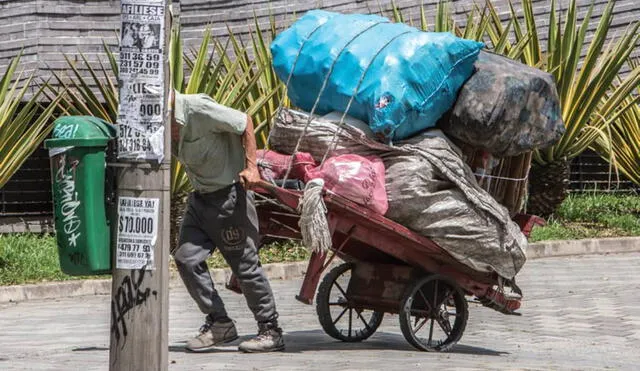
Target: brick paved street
column 579, row 313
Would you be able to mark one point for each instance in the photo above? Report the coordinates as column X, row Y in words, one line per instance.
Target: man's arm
column 250, row 176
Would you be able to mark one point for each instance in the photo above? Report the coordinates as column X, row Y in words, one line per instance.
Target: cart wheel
column 337, row 315
column 433, row 314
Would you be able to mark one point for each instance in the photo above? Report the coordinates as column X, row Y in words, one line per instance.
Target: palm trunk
column 548, row 187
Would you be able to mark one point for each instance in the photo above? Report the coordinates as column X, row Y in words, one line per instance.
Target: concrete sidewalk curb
column 550, row 249
column 54, row 290
column 288, row 271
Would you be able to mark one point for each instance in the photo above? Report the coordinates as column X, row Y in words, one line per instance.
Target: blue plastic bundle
column 403, row 79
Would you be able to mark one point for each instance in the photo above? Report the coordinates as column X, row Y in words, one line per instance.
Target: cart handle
column 287, row 197
column 263, row 185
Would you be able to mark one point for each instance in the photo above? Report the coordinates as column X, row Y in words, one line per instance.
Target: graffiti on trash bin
column 65, row 174
column 128, row 296
column 65, row 131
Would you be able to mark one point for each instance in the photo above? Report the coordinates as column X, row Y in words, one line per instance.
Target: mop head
column 313, row 218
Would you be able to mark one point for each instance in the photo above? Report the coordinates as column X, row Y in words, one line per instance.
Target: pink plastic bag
column 274, row 165
column 356, row 178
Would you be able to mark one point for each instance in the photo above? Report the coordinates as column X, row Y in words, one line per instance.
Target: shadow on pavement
column 317, row 340
column 227, row 348
column 179, row 347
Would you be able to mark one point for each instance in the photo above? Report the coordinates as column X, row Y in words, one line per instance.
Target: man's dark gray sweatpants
column 225, row 219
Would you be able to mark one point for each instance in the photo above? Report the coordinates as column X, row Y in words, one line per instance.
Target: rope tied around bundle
column 313, row 223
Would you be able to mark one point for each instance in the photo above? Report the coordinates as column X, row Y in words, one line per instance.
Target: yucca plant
column 226, row 72
column 230, row 76
column 623, row 148
column 79, row 99
column 233, row 79
column 443, row 20
column 481, row 24
column 589, row 99
column 23, row 125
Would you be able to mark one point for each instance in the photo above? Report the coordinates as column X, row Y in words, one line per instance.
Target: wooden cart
column 387, row 269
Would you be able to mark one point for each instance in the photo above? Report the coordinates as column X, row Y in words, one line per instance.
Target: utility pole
column 140, row 222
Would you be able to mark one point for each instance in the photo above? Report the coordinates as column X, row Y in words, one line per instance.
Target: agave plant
column 23, row 125
column 623, row 149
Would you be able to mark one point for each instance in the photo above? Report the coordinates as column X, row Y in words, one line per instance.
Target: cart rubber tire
column 324, row 311
column 454, row 296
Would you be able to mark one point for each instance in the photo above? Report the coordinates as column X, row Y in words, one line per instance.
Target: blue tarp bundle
column 404, row 79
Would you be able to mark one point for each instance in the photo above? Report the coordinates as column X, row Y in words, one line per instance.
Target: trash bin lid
column 80, row 131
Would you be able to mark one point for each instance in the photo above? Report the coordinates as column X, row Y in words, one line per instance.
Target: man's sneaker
column 211, row 334
column 269, row 339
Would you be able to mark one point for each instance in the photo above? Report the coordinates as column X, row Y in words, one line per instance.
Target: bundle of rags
column 506, row 108
column 429, row 187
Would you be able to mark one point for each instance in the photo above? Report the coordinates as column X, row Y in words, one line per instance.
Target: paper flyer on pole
column 137, row 232
column 141, row 73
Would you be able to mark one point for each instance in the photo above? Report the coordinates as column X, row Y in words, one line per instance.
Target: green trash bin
column 77, row 151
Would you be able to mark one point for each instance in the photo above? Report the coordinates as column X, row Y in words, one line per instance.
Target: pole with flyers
column 140, row 294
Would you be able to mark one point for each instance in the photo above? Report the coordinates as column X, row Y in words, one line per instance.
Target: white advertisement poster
column 137, row 232
column 140, row 120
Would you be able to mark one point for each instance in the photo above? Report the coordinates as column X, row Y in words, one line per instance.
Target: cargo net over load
column 424, row 128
